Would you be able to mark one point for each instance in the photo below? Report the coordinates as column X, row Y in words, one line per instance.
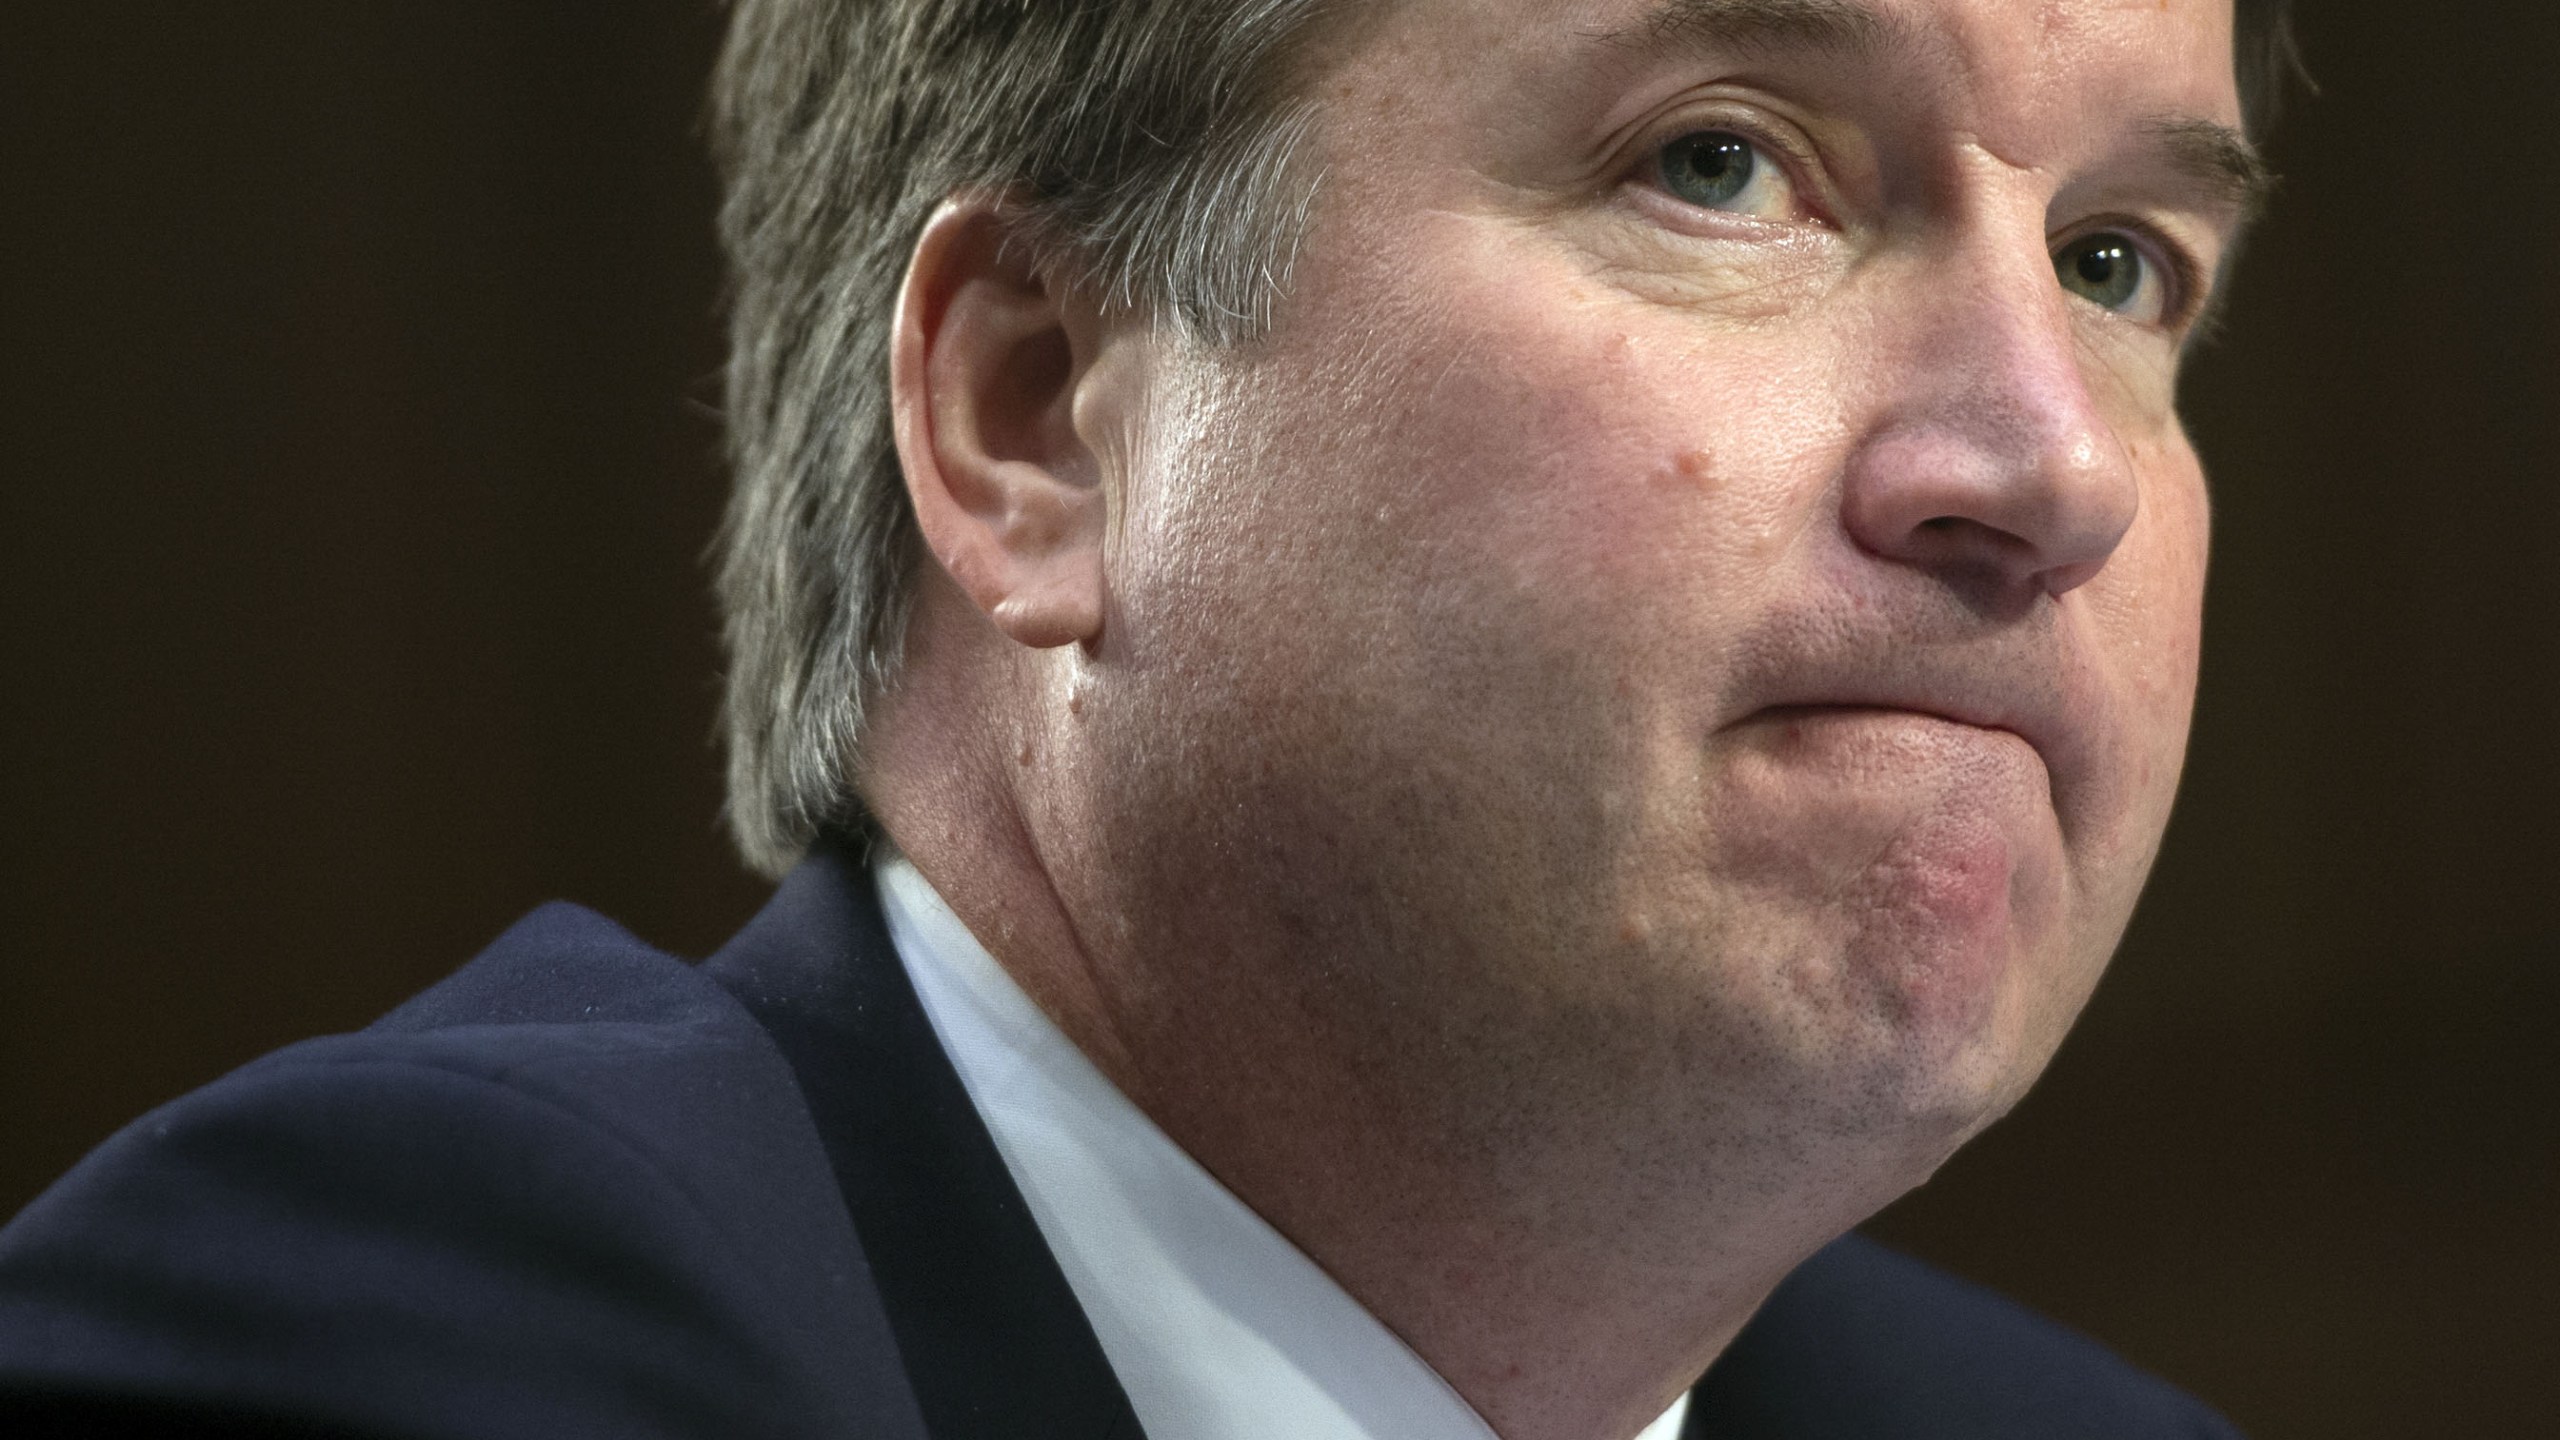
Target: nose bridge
column 2003, row 366
column 1990, row 450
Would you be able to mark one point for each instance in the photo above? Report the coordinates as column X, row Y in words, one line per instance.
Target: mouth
column 1817, row 709
column 1941, row 723
column 1803, row 715
column 1934, row 681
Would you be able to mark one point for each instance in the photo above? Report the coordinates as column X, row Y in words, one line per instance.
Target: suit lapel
column 992, row 1338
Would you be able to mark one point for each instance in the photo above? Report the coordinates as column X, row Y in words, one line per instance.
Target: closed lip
column 1865, row 644
column 2020, row 709
column 1955, row 715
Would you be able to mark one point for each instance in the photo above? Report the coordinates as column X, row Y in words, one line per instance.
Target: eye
column 2109, row 270
column 1720, row 170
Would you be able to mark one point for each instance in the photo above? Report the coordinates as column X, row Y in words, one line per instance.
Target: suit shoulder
column 562, row 964
column 570, row 1190
column 1865, row 1342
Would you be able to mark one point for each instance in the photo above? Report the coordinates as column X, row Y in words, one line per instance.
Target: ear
column 985, row 362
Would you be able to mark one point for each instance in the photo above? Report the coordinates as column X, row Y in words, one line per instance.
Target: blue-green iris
column 2105, row 269
column 1709, row 168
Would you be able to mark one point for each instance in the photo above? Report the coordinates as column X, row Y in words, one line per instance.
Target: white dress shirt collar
column 1216, row 1325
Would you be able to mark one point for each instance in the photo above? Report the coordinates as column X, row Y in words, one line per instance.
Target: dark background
column 356, row 461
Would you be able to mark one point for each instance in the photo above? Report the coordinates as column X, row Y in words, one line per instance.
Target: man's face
column 1700, row 589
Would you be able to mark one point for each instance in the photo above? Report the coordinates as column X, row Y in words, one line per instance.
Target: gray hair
column 1150, row 145
column 1153, row 148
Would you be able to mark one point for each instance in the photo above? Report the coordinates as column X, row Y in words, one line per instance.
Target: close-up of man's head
column 1647, row 543
column 1161, row 158
column 1601, row 599
column 1423, row 698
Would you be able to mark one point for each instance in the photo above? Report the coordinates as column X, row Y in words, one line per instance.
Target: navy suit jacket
column 583, row 1188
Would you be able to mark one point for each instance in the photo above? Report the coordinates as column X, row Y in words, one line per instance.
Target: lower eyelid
column 1796, row 213
column 1661, row 208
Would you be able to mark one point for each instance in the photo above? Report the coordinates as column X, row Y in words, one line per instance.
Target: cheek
column 1543, row 442
column 2143, row 621
column 2151, row 599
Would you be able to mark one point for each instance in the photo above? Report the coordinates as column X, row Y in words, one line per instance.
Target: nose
column 1989, row 460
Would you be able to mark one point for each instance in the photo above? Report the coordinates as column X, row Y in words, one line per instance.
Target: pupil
column 1719, row 157
column 2103, row 268
column 1710, row 168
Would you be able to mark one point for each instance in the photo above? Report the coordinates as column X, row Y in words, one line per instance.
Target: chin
column 1909, row 1040
column 1944, row 1064
column 1957, row 976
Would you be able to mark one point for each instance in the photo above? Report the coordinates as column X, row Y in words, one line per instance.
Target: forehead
column 2012, row 75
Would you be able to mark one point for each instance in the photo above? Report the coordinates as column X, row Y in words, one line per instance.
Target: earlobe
column 986, row 355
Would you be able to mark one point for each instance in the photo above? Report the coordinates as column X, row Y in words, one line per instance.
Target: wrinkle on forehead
column 2021, row 89
column 1840, row 27
column 1967, row 41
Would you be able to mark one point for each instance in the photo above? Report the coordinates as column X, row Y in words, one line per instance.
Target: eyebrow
column 1844, row 27
column 2218, row 158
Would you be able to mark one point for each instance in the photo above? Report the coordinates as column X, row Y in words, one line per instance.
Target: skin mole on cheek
column 1689, row 468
